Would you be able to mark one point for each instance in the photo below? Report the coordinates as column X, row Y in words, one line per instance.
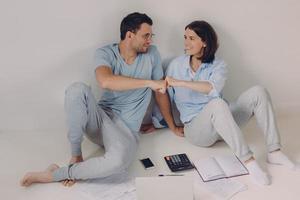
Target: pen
column 170, row 174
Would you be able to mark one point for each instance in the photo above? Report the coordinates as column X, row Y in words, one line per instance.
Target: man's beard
column 142, row 49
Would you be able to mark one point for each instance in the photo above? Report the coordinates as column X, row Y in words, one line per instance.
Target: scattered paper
column 116, row 187
column 223, row 189
column 122, row 187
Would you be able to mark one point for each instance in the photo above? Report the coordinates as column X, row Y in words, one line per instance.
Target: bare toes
column 71, row 183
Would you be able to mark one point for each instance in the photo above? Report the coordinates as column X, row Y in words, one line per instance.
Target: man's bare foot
column 76, row 159
column 147, row 128
column 39, row 177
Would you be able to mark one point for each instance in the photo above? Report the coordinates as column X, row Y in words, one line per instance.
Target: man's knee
column 76, row 89
column 119, row 162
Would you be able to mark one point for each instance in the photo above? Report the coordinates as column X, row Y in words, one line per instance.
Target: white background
column 47, row 45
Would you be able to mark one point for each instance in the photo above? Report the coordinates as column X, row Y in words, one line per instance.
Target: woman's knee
column 218, row 104
column 204, row 144
column 201, row 141
column 259, row 92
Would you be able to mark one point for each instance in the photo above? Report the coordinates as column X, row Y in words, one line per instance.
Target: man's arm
column 108, row 80
column 165, row 109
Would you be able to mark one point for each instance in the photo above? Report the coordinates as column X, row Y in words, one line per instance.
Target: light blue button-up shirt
column 190, row 102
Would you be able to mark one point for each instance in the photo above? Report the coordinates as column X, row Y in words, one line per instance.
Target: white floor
column 30, row 151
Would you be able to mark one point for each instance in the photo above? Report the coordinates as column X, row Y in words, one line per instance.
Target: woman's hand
column 178, row 130
column 172, row 82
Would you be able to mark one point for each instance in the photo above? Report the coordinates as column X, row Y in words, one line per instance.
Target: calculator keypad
column 178, row 162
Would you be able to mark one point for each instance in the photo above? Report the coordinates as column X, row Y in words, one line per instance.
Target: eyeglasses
column 148, row 36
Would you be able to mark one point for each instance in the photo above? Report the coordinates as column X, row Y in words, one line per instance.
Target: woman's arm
column 212, row 86
column 199, row 86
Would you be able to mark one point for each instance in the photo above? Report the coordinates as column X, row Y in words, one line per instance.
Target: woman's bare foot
column 147, row 128
column 39, row 177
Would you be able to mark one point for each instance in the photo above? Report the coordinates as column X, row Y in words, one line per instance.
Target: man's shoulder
column 108, row 49
column 152, row 50
column 105, row 55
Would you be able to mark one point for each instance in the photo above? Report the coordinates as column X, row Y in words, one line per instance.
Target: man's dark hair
column 208, row 35
column 133, row 22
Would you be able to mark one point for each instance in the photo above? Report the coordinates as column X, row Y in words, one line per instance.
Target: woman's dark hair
column 132, row 23
column 208, row 35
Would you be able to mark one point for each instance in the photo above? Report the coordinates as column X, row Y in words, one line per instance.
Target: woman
column 195, row 82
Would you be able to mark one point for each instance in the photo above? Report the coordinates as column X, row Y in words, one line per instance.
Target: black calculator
column 178, row 162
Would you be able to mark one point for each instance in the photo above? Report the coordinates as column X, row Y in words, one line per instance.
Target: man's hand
column 159, row 86
column 178, row 130
column 74, row 159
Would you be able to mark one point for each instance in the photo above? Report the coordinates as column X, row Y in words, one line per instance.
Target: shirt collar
column 188, row 67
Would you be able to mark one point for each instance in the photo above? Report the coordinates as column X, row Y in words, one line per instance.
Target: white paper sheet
column 116, row 187
column 223, row 189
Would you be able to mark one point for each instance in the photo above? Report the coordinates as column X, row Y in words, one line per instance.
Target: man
column 128, row 72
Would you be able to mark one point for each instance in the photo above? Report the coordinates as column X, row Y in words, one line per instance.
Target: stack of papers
column 165, row 188
column 225, row 188
column 116, row 187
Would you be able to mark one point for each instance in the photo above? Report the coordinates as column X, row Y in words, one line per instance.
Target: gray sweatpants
column 85, row 116
column 218, row 119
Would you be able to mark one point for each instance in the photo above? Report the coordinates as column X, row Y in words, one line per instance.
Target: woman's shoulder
column 177, row 63
column 180, row 59
column 218, row 62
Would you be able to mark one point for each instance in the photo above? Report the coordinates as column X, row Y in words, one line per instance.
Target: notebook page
column 209, row 169
column 231, row 165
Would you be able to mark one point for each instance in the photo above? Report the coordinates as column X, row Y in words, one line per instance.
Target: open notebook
column 218, row 167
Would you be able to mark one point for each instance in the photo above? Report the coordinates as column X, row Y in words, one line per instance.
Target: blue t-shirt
column 190, row 102
column 130, row 105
